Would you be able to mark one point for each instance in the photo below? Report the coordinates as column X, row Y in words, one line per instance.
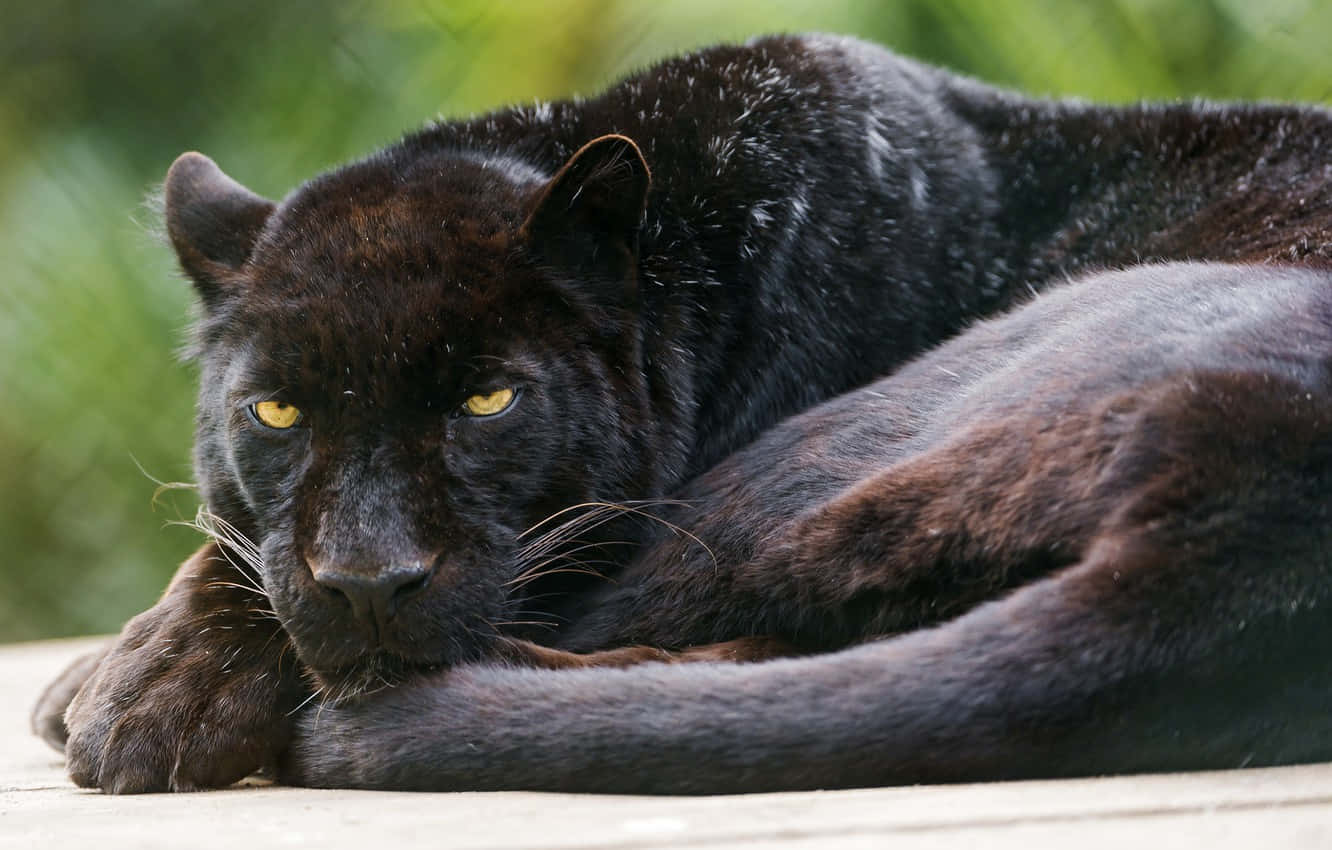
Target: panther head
column 404, row 365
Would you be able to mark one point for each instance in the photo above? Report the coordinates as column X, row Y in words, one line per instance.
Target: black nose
column 375, row 596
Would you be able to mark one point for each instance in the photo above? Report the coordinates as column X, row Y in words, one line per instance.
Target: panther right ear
column 213, row 223
column 588, row 216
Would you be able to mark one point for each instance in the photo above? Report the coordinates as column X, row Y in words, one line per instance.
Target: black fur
column 662, row 274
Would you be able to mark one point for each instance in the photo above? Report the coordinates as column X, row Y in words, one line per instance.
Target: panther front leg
column 523, row 653
column 196, row 692
column 913, row 544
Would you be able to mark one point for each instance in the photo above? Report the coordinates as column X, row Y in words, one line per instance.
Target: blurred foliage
column 99, row 98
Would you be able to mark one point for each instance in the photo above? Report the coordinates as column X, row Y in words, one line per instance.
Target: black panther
column 499, row 394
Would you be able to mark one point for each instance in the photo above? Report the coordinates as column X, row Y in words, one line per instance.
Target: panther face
column 405, row 366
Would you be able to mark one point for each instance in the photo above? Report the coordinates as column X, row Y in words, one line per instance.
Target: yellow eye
column 276, row 414
column 489, row 404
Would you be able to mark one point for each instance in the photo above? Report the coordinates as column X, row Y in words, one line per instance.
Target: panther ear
column 588, row 216
column 213, row 223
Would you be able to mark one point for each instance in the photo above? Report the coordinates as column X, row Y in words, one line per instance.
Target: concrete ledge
column 1283, row 807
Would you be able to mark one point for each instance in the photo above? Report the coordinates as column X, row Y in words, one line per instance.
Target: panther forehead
column 360, row 232
column 392, row 263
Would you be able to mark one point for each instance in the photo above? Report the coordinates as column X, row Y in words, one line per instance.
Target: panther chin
column 375, row 671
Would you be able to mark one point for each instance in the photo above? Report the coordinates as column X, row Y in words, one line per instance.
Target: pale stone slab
column 1284, row 807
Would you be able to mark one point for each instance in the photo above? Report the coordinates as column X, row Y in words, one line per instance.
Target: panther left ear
column 588, row 216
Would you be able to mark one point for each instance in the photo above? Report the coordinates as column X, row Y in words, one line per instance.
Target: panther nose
column 375, row 596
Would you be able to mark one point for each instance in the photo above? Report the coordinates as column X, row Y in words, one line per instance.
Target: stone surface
column 1284, row 807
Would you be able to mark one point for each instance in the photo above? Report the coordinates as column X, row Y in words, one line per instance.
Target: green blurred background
column 98, row 98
